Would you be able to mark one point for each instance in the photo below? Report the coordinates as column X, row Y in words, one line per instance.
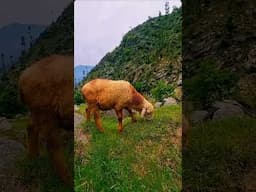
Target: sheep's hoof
column 120, row 131
column 101, row 130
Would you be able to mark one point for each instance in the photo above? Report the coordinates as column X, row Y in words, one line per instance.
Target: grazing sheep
column 104, row 94
column 46, row 88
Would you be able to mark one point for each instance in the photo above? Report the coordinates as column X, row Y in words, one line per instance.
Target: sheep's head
column 147, row 110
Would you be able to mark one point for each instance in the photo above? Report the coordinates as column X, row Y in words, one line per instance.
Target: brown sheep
column 104, row 94
column 46, row 88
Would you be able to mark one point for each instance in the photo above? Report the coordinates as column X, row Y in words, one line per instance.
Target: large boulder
column 199, row 116
column 226, row 109
column 4, row 124
column 246, row 92
column 10, row 152
column 251, row 59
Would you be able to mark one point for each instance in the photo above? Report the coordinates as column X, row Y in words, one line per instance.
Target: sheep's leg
column 131, row 115
column 56, row 153
column 33, row 140
column 88, row 114
column 119, row 114
column 97, row 120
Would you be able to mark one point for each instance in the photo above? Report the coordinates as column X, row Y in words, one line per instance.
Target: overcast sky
column 100, row 25
column 41, row 12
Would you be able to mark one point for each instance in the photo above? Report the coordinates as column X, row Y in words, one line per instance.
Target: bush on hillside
column 162, row 90
column 141, row 87
column 209, row 84
column 78, row 98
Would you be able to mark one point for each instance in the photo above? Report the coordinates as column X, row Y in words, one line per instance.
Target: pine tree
column 167, row 7
column 30, row 36
column 3, row 62
column 23, row 45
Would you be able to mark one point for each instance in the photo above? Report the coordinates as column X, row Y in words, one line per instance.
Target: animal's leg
column 131, row 115
column 56, row 153
column 33, row 139
column 97, row 120
column 119, row 114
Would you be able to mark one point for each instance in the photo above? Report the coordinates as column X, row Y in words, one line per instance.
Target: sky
column 41, row 12
column 100, row 24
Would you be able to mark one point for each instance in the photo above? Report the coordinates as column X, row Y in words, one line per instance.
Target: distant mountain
column 10, row 38
column 80, row 72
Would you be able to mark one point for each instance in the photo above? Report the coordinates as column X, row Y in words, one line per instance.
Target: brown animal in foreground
column 104, row 94
column 46, row 88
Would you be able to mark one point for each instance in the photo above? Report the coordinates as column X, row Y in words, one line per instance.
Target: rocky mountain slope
column 224, row 33
column 148, row 53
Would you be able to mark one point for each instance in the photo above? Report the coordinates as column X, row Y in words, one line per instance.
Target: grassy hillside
column 56, row 39
column 220, row 156
column 149, row 52
column 146, row 157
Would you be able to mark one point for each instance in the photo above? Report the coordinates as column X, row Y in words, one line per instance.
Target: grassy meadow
column 220, row 155
column 38, row 174
column 145, row 157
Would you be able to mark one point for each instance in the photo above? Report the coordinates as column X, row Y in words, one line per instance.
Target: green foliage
column 209, row 84
column 141, row 86
column 9, row 101
column 137, row 160
column 78, row 97
column 162, row 90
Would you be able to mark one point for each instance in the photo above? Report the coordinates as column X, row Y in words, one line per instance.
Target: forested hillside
column 148, row 53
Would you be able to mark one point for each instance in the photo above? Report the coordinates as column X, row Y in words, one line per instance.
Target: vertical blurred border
column 37, row 43
column 219, row 125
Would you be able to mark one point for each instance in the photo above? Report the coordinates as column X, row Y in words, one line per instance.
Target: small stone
column 169, row 101
column 158, row 104
column 4, row 124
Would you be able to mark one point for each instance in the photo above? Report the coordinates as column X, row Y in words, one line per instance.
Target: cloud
column 100, row 25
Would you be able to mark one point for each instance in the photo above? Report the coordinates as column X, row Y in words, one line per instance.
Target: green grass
column 142, row 158
column 219, row 155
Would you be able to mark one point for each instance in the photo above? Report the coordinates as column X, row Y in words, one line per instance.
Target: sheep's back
column 46, row 86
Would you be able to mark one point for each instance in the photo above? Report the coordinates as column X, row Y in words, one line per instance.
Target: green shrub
column 78, row 98
column 209, row 84
column 141, row 87
column 162, row 90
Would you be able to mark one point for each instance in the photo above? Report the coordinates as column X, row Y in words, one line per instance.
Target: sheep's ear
column 143, row 112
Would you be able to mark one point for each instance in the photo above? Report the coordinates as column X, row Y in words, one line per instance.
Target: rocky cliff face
column 223, row 31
